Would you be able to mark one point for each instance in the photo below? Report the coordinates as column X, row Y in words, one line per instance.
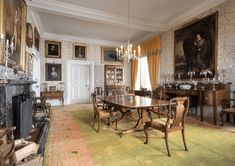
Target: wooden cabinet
column 114, row 75
column 54, row 95
column 114, row 80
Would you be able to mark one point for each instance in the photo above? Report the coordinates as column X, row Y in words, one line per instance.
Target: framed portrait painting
column 53, row 72
column 196, row 47
column 79, row 51
column 29, row 35
column 109, row 56
column 36, row 38
column 13, row 27
column 53, row 49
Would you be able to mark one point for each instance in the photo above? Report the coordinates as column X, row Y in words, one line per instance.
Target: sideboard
column 203, row 94
column 54, row 95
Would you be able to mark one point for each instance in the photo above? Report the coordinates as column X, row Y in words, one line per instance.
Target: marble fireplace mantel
column 7, row 92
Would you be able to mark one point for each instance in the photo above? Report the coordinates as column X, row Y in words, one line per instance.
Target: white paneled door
column 80, row 83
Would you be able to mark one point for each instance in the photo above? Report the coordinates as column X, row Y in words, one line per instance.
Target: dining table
column 130, row 102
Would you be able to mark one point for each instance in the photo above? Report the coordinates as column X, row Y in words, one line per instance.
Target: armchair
column 174, row 122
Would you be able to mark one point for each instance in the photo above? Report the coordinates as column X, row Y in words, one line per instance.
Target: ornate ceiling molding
column 55, row 36
column 74, row 11
column 194, row 12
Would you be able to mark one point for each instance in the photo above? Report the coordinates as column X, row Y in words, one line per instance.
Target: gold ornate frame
column 22, row 63
column 109, row 62
column 82, row 57
column 47, row 54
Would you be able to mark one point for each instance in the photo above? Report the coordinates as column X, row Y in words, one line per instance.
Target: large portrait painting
column 109, row 56
column 13, row 26
column 53, row 72
column 196, row 47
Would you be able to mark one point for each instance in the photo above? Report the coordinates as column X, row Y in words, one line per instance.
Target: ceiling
column 107, row 19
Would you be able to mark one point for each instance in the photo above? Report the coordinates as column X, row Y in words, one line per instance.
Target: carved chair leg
column 99, row 121
column 222, row 119
column 166, row 140
column 94, row 120
column 183, row 136
column 146, row 133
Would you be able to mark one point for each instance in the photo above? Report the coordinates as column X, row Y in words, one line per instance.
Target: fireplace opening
column 22, row 115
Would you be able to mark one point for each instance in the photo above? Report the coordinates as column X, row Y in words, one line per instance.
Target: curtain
column 134, row 72
column 152, row 49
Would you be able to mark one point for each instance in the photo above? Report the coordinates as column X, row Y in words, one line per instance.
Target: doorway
column 80, row 82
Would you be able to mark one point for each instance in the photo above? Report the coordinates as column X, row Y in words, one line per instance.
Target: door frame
column 69, row 67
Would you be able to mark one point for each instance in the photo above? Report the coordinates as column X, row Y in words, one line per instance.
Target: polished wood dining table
column 120, row 102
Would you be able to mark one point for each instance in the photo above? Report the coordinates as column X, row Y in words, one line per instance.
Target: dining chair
column 99, row 92
column 6, row 147
column 40, row 105
column 175, row 120
column 102, row 113
column 228, row 109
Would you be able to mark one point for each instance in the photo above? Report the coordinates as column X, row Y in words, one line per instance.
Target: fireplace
column 9, row 92
column 22, row 115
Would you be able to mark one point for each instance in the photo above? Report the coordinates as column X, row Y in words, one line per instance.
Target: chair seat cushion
column 48, row 104
column 106, row 113
column 159, row 124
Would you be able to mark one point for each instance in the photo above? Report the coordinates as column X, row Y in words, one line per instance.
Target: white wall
column 93, row 54
column 37, row 55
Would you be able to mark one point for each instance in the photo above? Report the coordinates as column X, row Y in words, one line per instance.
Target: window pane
column 143, row 80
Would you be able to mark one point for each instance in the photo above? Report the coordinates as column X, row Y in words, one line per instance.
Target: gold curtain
column 134, row 72
column 152, row 49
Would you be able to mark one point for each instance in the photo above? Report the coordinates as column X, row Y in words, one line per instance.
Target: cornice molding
column 37, row 21
column 84, row 13
column 55, row 36
column 194, row 12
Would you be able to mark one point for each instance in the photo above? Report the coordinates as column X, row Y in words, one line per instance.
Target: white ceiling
column 107, row 19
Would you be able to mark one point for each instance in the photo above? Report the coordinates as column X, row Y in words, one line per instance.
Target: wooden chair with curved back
column 6, row 147
column 174, row 122
column 40, row 105
column 101, row 113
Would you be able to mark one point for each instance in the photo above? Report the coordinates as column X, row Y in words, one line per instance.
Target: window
column 143, row 80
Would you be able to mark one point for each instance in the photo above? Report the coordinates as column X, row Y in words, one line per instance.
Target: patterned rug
column 73, row 141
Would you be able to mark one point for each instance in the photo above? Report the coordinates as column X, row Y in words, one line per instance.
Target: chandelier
column 128, row 53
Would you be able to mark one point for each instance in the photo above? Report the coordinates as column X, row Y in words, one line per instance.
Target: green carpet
column 207, row 145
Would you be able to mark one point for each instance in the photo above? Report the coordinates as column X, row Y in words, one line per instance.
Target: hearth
column 22, row 115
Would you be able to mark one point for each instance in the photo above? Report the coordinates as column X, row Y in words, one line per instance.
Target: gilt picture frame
column 109, row 56
column 195, row 47
column 13, row 27
column 80, row 51
column 52, row 49
column 29, row 35
column 53, row 72
column 36, row 38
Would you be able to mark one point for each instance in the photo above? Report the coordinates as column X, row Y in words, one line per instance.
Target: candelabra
column 191, row 74
column 205, row 73
column 179, row 76
column 8, row 49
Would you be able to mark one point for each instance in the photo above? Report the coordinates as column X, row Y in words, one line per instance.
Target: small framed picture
column 53, row 49
column 109, row 56
column 36, row 38
column 29, row 35
column 53, row 72
column 79, row 51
